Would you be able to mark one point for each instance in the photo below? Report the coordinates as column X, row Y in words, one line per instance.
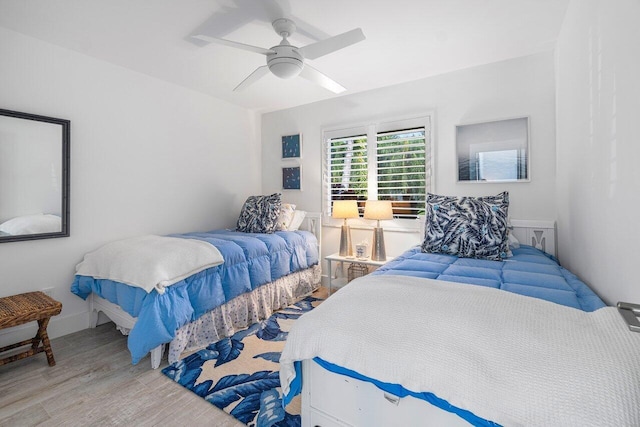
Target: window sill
column 395, row 225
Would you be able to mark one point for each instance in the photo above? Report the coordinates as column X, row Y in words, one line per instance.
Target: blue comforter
column 250, row 260
column 529, row 272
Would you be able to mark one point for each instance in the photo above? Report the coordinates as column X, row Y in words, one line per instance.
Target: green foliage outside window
column 400, row 168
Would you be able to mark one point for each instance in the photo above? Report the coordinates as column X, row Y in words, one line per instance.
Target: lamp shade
column 378, row 209
column 345, row 209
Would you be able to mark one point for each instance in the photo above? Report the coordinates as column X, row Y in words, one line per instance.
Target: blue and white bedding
column 250, row 260
column 490, row 356
column 529, row 272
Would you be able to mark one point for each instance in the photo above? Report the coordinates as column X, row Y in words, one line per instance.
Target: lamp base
column 346, row 249
column 377, row 251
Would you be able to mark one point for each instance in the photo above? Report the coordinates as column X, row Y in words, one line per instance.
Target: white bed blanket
column 150, row 262
column 507, row 358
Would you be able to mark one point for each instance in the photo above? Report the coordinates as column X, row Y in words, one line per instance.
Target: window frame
column 372, row 130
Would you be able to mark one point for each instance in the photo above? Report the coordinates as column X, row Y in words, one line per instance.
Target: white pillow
column 285, row 216
column 32, row 224
column 513, row 241
column 298, row 217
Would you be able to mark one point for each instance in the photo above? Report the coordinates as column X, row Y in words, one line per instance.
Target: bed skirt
column 243, row 311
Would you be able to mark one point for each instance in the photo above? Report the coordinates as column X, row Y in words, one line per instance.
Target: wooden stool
column 18, row 309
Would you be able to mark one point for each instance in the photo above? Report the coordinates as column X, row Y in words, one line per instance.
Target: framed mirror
column 496, row 151
column 34, row 176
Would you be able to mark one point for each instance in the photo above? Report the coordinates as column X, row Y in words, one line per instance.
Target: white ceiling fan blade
column 237, row 13
column 230, row 43
column 308, row 30
column 252, row 78
column 315, row 76
column 277, row 9
column 324, row 47
column 221, row 23
column 272, row 9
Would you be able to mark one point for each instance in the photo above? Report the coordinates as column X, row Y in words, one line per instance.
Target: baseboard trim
column 58, row 327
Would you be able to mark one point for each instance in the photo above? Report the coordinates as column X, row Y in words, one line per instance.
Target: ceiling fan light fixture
column 285, row 61
column 285, row 68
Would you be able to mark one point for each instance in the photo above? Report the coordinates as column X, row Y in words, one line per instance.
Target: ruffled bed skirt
column 243, row 311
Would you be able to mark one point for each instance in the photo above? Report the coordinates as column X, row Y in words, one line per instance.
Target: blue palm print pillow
column 469, row 227
column 259, row 214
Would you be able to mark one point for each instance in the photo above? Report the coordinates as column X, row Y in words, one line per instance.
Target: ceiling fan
column 285, row 60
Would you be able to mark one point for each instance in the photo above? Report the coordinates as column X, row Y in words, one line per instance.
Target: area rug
column 240, row 374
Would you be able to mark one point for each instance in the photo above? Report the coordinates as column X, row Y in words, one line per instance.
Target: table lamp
column 345, row 209
column 378, row 209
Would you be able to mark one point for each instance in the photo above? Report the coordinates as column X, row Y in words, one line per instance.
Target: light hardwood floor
column 94, row 383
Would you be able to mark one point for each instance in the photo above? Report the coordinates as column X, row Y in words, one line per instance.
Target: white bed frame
column 334, row 400
column 539, row 234
column 125, row 322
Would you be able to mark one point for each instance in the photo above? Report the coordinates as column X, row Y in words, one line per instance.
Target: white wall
column 598, row 106
column 518, row 87
column 147, row 157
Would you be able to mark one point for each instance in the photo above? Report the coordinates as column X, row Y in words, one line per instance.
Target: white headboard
column 539, row 234
column 313, row 223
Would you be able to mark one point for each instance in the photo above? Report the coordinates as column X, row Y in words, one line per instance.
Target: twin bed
column 256, row 274
column 401, row 350
column 434, row 338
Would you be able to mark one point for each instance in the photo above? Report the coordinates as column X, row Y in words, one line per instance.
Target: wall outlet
column 48, row 291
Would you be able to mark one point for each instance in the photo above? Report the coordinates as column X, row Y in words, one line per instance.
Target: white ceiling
column 406, row 39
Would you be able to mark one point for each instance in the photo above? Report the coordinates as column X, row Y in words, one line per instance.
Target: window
column 347, row 168
column 387, row 161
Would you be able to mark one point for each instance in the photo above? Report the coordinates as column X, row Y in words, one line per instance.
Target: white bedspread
column 508, row 358
column 150, row 262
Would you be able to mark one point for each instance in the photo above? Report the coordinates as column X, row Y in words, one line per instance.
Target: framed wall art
column 292, row 146
column 495, row 151
column 292, row 177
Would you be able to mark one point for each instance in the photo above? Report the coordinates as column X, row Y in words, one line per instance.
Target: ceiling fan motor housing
column 285, row 61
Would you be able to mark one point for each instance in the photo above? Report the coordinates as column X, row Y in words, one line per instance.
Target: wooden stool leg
column 42, row 333
column 35, row 341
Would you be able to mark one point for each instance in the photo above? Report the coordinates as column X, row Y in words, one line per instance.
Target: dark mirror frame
column 66, row 156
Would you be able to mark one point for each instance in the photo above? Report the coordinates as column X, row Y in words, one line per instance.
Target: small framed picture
column 292, row 177
column 292, row 146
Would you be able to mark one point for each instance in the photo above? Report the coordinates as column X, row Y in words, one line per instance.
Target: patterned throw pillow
column 260, row 214
column 469, row 227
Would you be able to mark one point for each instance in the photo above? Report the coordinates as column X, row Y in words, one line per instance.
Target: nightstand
column 352, row 260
